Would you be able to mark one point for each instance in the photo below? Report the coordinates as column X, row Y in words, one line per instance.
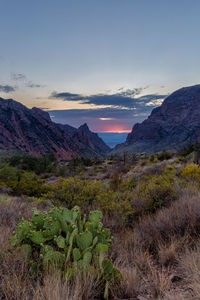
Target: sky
column 104, row 62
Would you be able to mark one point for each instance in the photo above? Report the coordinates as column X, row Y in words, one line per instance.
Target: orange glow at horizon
column 116, row 131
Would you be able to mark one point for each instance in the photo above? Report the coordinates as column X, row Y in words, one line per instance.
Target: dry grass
column 181, row 219
column 15, row 282
column 149, row 256
column 55, row 288
column 175, row 295
column 189, row 267
column 168, row 252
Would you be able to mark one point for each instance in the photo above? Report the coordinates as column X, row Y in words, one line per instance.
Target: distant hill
column 172, row 126
column 113, row 138
column 32, row 131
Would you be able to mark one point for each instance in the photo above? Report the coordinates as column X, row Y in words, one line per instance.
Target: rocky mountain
column 32, row 131
column 172, row 126
column 87, row 137
column 68, row 129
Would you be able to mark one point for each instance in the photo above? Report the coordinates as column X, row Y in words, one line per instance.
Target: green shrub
column 66, row 240
column 9, row 176
column 29, row 184
column 20, row 183
column 158, row 191
column 27, row 162
column 165, row 155
column 62, row 171
column 115, row 181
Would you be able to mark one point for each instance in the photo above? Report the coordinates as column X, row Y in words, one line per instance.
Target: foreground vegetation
column 150, row 204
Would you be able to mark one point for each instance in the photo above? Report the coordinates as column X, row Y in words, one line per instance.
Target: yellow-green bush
column 20, row 183
column 191, row 173
column 74, row 191
column 88, row 194
column 29, row 184
column 157, row 191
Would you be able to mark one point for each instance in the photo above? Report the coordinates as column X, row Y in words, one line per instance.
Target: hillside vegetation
column 121, row 228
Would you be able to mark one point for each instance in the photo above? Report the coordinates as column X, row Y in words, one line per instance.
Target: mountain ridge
column 173, row 125
column 32, row 131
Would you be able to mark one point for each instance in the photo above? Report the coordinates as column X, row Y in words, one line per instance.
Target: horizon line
column 118, row 131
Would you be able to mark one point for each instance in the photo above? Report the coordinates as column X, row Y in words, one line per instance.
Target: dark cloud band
column 7, row 88
column 124, row 99
column 119, row 110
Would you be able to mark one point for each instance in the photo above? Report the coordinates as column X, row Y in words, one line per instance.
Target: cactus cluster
column 65, row 239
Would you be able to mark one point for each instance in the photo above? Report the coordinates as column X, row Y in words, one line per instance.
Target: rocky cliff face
column 88, row 138
column 172, row 126
column 94, row 141
column 32, row 131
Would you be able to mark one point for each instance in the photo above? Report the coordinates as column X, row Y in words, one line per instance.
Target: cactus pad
column 60, row 241
column 95, row 216
column 84, row 240
column 76, row 254
column 37, row 237
column 53, row 259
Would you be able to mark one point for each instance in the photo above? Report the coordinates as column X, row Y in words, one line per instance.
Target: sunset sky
column 104, row 62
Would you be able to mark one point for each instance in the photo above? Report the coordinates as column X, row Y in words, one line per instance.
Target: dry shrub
column 12, row 211
column 130, row 284
column 168, row 252
column 4, row 238
column 181, row 218
column 141, row 274
column 114, row 222
column 148, row 255
column 150, row 170
column 15, row 280
column 115, row 181
column 175, row 296
column 55, row 288
column 135, row 265
column 158, row 281
column 16, row 283
column 189, row 267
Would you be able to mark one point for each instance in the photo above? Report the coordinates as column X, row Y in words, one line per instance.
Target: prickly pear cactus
column 84, row 240
column 37, row 237
column 66, row 240
column 53, row 259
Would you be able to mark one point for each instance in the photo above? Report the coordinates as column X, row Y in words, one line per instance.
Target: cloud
column 7, row 88
column 67, row 96
column 32, row 85
column 155, row 102
column 109, row 111
column 122, row 99
column 18, row 76
column 22, row 77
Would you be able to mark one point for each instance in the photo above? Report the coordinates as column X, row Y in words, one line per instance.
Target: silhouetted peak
column 84, row 127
